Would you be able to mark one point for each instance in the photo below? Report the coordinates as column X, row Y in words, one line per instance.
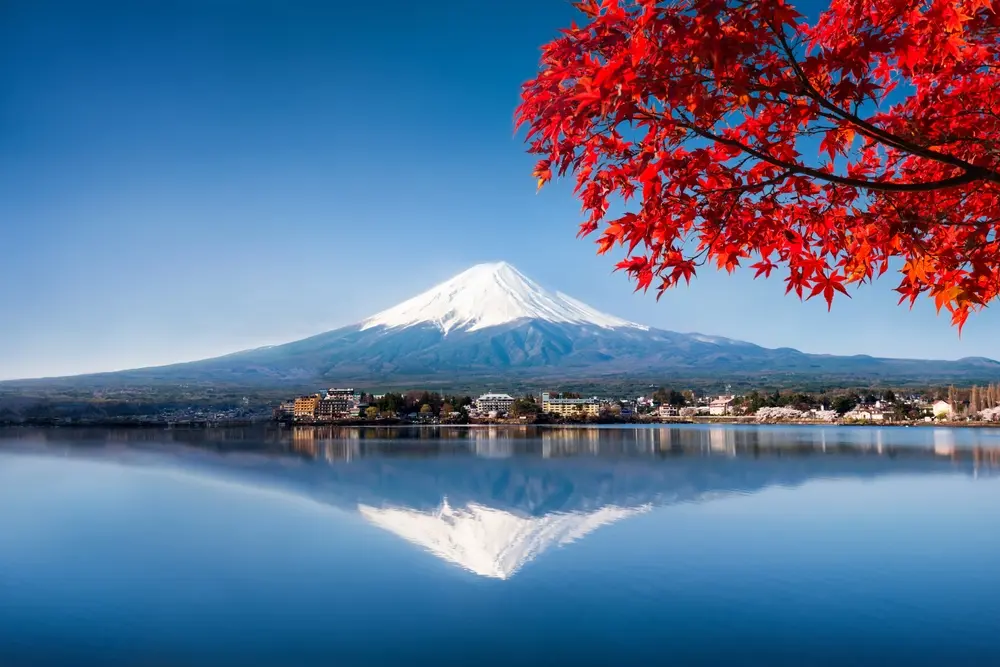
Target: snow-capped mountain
column 490, row 295
column 487, row 541
column 493, row 322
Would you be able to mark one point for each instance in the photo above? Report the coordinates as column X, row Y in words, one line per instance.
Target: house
column 499, row 403
column 942, row 410
column 865, row 413
column 667, row 411
column 723, row 405
column 569, row 407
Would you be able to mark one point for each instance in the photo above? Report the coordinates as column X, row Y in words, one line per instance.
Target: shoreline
column 397, row 424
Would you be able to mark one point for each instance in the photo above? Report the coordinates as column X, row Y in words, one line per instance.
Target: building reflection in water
column 944, row 442
column 518, row 492
column 345, row 444
column 333, row 443
column 722, row 440
column 492, row 499
column 493, row 442
column 304, row 441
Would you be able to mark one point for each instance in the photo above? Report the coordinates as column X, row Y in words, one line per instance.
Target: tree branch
column 873, row 131
column 794, row 167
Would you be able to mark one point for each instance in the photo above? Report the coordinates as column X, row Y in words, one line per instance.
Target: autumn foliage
column 738, row 133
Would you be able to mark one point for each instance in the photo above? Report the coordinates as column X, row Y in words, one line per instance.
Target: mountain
column 493, row 322
column 491, row 295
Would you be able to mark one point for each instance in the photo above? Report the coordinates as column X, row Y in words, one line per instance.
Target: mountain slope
column 534, row 349
column 489, row 295
column 493, row 322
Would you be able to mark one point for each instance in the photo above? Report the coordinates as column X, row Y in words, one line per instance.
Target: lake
column 680, row 545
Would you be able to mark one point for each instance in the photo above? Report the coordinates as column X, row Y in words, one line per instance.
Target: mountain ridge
column 492, row 321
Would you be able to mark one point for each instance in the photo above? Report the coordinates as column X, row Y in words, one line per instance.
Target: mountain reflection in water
column 491, row 500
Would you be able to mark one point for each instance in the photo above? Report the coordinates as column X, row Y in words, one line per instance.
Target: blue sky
column 184, row 179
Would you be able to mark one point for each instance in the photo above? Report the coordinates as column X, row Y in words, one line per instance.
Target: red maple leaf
column 700, row 113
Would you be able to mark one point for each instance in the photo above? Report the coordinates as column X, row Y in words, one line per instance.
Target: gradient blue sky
column 189, row 178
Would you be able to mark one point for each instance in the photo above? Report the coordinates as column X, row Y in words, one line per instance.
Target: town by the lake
column 349, row 405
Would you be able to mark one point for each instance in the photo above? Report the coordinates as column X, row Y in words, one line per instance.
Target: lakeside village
column 347, row 405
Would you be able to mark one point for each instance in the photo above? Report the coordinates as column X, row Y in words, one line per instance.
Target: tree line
column 422, row 402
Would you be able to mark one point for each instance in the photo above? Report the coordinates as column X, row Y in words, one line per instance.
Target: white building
column 499, row 403
column 864, row 413
column 667, row 410
column 723, row 405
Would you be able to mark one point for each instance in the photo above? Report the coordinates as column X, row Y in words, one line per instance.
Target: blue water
column 674, row 546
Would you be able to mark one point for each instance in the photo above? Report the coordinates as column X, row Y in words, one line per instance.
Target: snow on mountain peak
column 486, row 541
column 488, row 295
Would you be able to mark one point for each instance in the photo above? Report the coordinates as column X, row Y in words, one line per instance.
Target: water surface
column 673, row 545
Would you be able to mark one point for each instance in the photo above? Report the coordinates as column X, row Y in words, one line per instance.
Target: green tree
column 426, row 409
column 525, row 407
column 391, row 403
column 676, row 399
column 902, row 411
column 371, row 412
column 754, row 401
column 844, row 403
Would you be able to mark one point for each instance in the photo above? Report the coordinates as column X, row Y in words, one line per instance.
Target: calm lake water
column 614, row 546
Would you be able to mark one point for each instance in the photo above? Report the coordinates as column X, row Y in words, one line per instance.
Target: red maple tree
column 729, row 130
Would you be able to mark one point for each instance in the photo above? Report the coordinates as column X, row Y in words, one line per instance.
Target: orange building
column 305, row 406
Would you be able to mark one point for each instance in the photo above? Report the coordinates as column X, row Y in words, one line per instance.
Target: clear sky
column 189, row 178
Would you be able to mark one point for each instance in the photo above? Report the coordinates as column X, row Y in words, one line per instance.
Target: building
column 666, row 410
column 339, row 403
column 305, row 407
column 499, row 403
column 571, row 407
column 942, row 410
column 723, row 405
column 286, row 410
column 326, row 410
column 865, row 413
